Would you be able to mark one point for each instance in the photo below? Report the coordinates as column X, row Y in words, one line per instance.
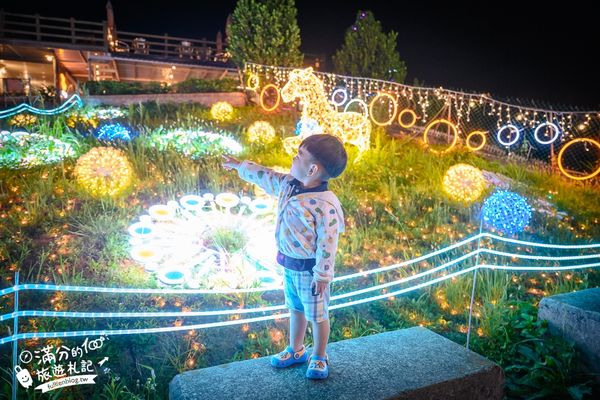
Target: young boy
column 309, row 221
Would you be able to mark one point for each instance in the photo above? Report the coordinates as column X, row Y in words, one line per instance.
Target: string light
column 74, row 100
column 561, row 155
column 261, row 132
column 263, row 95
column 447, row 123
column 392, row 114
column 481, row 134
column 464, row 183
column 221, row 111
column 506, row 211
column 104, row 171
column 27, row 150
column 549, row 125
column 413, row 118
column 350, row 127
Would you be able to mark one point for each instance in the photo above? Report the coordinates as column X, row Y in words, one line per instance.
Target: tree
column 369, row 52
column 265, row 32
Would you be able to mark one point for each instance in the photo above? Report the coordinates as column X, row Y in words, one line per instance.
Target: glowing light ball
column 507, row 212
column 222, row 241
column 104, row 171
column 194, row 143
column 113, row 131
column 464, row 183
column 26, row 150
column 261, row 132
column 221, row 111
column 21, row 120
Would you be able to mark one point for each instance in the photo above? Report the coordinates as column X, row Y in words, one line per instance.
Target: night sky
column 545, row 54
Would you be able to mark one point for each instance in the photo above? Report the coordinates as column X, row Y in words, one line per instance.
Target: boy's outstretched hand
column 230, row 162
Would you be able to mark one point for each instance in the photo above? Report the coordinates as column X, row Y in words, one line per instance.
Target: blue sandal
column 318, row 367
column 288, row 357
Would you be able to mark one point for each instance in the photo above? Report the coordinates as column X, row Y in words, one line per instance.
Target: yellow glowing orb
column 561, row 155
column 221, row 111
column 464, row 183
column 104, row 171
column 261, row 132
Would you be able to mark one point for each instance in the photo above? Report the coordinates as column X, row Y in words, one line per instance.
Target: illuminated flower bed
column 194, row 143
column 27, row 150
column 208, row 241
column 114, row 131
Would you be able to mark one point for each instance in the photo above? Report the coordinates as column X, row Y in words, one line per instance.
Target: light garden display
column 464, row 183
column 470, row 117
column 208, row 241
column 26, row 150
column 104, row 171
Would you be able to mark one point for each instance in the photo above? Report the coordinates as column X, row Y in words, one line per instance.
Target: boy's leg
column 320, row 337
column 298, row 325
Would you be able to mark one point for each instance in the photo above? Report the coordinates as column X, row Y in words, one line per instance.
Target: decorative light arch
column 446, row 122
column 562, row 152
column 262, row 97
column 394, row 102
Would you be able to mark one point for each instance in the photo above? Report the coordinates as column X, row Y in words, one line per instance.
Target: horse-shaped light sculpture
column 351, row 127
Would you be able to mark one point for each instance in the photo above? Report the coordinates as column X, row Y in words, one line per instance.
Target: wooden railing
column 58, row 31
column 87, row 35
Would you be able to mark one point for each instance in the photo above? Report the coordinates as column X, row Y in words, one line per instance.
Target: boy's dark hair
column 329, row 151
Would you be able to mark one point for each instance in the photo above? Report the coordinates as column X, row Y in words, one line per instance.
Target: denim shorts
column 299, row 297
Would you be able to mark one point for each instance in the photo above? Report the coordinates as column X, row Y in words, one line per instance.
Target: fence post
column 2, row 17
column 15, row 346
column 474, row 281
column 72, row 29
column 38, row 35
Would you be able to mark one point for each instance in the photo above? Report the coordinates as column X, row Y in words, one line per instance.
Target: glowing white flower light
column 222, row 241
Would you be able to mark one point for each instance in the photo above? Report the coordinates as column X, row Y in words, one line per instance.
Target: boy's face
column 303, row 165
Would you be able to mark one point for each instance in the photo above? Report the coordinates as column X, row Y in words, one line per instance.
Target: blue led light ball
column 507, row 212
column 113, row 131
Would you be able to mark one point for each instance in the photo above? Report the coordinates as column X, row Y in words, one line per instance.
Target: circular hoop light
column 262, row 97
column 389, row 121
column 476, row 133
column 551, row 125
column 413, row 116
column 515, row 140
column 253, row 81
column 365, row 108
column 436, row 122
column 335, row 93
column 560, row 161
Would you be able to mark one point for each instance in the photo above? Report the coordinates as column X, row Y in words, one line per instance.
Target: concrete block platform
column 576, row 317
column 413, row 363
